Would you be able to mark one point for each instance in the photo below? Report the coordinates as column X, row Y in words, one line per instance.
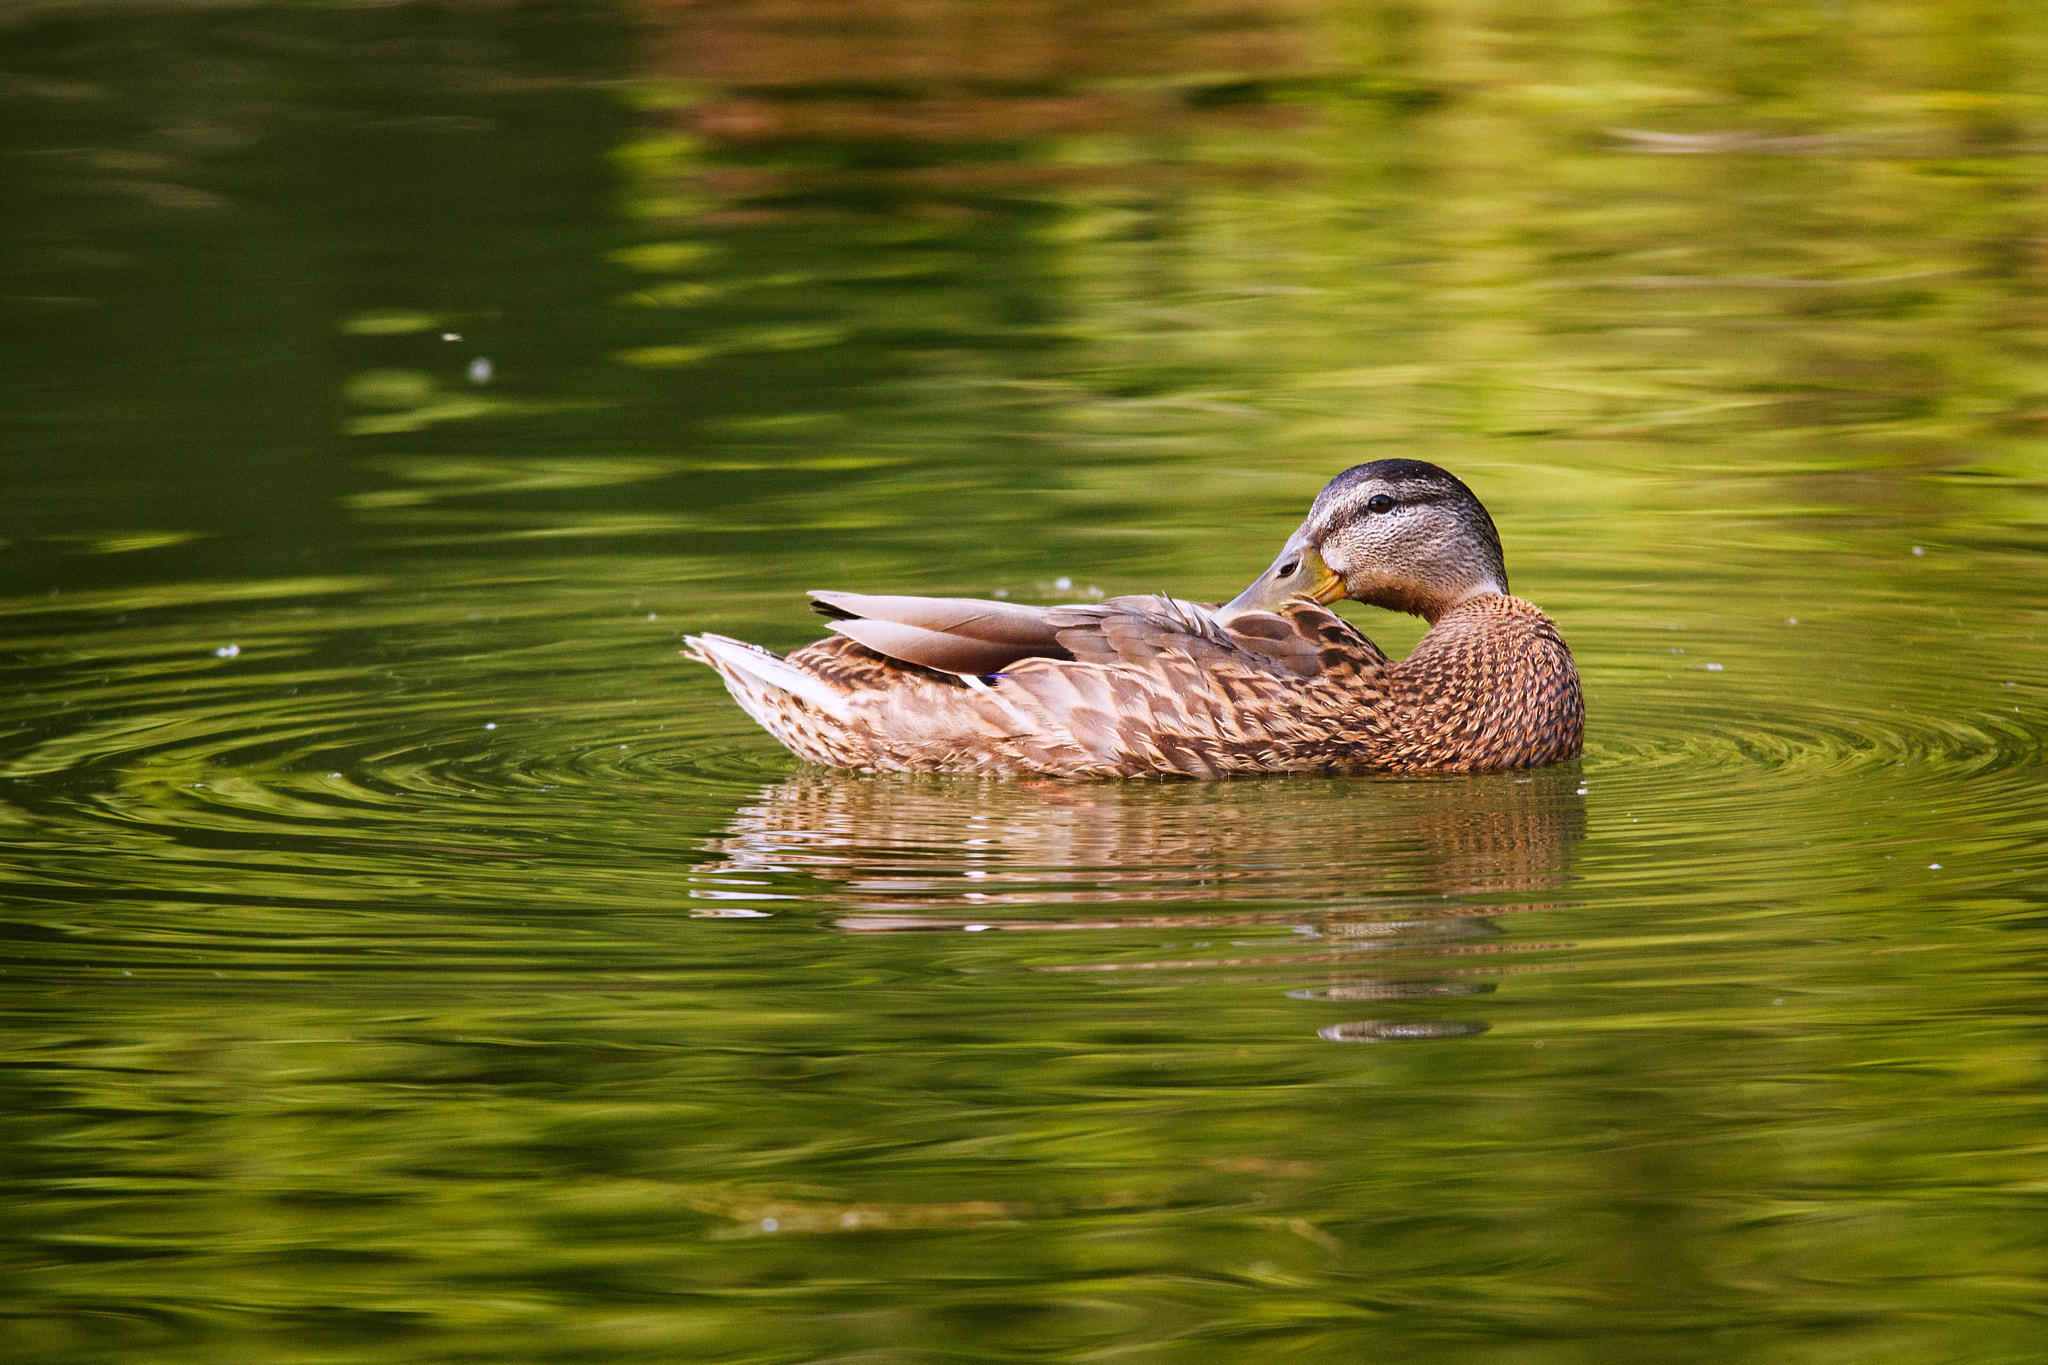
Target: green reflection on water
column 407, row 956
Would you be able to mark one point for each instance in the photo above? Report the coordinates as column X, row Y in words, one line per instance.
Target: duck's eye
column 1287, row 569
column 1379, row 502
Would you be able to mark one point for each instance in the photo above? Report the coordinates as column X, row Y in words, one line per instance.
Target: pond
column 410, row 957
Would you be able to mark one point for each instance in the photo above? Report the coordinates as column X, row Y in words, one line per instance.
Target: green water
column 410, row 958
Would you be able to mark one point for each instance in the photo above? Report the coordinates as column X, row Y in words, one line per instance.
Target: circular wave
column 540, row 777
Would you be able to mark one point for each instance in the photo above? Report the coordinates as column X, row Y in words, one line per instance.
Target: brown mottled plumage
column 1153, row 687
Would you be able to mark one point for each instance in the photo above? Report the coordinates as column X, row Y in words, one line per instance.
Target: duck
column 1153, row 686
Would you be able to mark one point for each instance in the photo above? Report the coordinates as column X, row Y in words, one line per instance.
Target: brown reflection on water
column 907, row 851
column 967, row 84
column 919, row 43
column 1375, row 880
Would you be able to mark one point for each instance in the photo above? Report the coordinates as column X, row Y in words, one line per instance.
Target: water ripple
column 279, row 772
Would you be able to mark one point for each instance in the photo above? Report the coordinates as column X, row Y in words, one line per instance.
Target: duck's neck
column 1430, row 594
column 1430, row 602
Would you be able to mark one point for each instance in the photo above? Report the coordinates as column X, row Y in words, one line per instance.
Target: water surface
column 409, row 957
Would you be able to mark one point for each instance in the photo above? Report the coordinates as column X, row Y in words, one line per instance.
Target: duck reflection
column 1360, row 886
column 1354, row 863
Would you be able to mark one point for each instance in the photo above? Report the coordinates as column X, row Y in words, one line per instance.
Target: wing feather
column 951, row 634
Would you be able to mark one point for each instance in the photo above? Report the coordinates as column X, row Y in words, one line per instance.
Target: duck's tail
column 763, row 682
column 813, row 717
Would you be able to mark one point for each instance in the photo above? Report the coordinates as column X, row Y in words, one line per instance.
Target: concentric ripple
column 349, row 766
column 542, row 762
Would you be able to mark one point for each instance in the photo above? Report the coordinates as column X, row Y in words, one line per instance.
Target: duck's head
column 1398, row 534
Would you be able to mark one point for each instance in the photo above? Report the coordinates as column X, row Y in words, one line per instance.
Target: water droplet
column 769, row 1225
column 490, row 725
column 1063, row 583
column 228, row 652
column 480, row 370
column 1918, row 551
column 1934, row 867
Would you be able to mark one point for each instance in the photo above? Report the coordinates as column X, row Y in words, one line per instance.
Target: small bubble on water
column 1778, row 1001
column 480, row 370
column 1002, row 592
column 490, row 725
column 451, row 336
column 1791, row 620
column 1712, row 668
column 1917, row 550
column 977, row 928
column 769, row 1225
column 1584, row 790
column 228, row 652
column 1063, row 583
column 1934, row 867
column 650, row 616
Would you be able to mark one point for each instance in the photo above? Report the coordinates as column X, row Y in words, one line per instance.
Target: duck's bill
column 1299, row 574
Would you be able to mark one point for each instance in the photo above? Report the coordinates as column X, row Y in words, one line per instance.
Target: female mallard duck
column 1273, row 682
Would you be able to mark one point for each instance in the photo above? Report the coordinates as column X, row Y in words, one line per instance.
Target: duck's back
column 1137, row 687
column 1492, row 686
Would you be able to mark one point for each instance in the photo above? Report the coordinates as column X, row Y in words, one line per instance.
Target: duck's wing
column 951, row 634
column 1302, row 640
column 1159, row 687
column 972, row 637
column 1132, row 686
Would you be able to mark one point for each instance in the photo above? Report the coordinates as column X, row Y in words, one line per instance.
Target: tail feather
column 755, row 667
